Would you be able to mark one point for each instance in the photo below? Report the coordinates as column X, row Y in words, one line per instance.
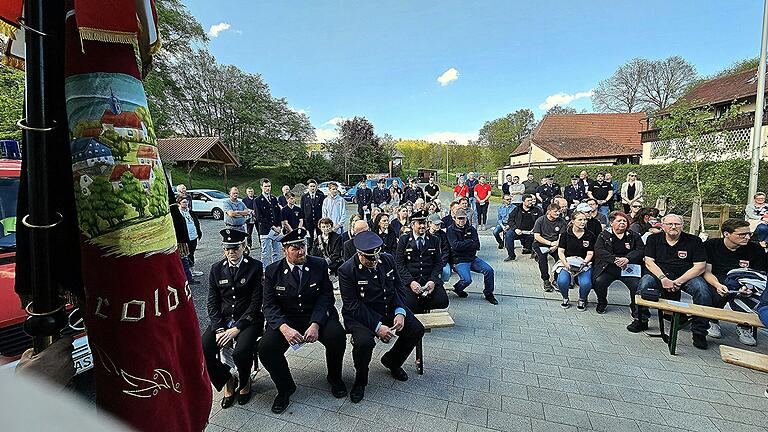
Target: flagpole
column 757, row 135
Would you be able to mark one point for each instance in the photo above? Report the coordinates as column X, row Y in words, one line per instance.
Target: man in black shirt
column 530, row 185
column 520, row 222
column 546, row 233
column 675, row 261
column 431, row 191
column 602, row 192
column 733, row 251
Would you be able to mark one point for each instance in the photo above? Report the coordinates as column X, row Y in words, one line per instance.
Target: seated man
column 348, row 248
column 546, row 235
column 327, row 245
column 520, row 221
column 373, row 308
column 234, row 308
column 505, row 208
column 420, row 260
column 614, row 252
column 464, row 246
column 299, row 307
column 435, row 225
column 733, row 251
column 675, row 261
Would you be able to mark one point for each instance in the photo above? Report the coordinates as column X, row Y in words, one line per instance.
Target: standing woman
column 576, row 245
column 631, row 192
column 396, row 192
column 193, row 228
column 483, row 197
column 402, row 220
column 388, row 236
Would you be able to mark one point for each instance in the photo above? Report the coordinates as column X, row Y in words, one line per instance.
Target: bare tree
column 621, row 93
column 665, row 81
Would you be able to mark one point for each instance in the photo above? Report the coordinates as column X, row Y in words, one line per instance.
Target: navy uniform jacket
column 267, row 213
column 287, row 302
column 235, row 299
column 464, row 243
column 381, row 196
column 548, row 192
column 348, row 249
column 364, row 197
column 420, row 266
column 369, row 295
column 313, row 209
column 412, row 194
column 574, row 193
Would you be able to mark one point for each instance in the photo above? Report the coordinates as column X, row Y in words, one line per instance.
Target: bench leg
column 662, row 334
column 673, row 333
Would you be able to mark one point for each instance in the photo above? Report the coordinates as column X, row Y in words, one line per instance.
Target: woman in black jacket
column 388, row 236
column 618, row 256
column 187, row 228
column 328, row 245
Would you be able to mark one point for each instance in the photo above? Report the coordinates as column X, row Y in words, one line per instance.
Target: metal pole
column 757, row 133
column 447, row 180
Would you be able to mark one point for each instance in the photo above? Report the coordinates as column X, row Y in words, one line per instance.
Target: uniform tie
column 232, row 272
column 420, row 243
column 296, row 275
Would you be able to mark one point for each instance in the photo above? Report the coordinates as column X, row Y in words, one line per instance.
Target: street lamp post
column 757, row 135
column 447, row 181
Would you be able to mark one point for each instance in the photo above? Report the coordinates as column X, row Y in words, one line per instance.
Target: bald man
column 349, row 246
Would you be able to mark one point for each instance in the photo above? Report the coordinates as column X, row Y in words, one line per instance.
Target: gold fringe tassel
column 8, row 29
column 108, row 36
column 13, row 62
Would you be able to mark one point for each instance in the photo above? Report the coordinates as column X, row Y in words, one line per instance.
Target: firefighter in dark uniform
column 413, row 192
column 420, row 261
column 547, row 191
column 312, row 204
column 373, row 308
column 381, row 194
column 234, row 308
column 364, row 198
column 268, row 223
column 299, row 308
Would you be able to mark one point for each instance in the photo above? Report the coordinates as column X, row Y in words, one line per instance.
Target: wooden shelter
column 189, row 152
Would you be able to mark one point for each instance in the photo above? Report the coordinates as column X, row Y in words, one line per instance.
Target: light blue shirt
column 335, row 209
column 504, row 211
column 234, row 206
column 191, row 229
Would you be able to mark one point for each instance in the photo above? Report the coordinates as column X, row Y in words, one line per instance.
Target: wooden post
column 696, row 217
column 225, row 176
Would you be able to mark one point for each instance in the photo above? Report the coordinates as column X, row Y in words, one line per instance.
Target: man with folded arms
column 299, row 308
column 675, row 261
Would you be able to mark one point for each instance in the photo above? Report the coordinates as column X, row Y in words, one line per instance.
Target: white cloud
column 218, row 28
column 299, row 110
column 323, row 135
column 459, row 137
column 335, row 121
column 564, row 99
column 448, row 76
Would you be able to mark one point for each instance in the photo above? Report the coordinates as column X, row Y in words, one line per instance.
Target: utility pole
column 447, row 180
column 757, row 134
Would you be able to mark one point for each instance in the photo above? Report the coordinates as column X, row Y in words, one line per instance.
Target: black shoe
column 527, row 251
column 637, row 326
column 461, row 294
column 338, row 389
column 700, row 341
column 601, row 308
column 547, row 285
column 282, row 401
column 228, row 401
column 397, row 372
column 358, row 393
column 490, row 298
column 194, row 282
column 510, row 258
column 243, row 399
column 501, row 246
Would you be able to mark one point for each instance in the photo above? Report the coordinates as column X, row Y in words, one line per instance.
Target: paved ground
column 524, row 365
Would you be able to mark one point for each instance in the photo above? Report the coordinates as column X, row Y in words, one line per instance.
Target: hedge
column 723, row 182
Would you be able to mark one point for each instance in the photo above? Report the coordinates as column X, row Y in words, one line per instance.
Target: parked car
column 13, row 340
column 371, row 183
column 208, row 202
column 323, row 187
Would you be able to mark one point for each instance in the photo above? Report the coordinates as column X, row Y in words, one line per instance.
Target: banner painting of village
column 121, row 193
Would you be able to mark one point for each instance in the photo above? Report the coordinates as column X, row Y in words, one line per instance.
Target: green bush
column 723, row 182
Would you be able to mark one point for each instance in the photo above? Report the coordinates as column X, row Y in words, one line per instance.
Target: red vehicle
column 13, row 340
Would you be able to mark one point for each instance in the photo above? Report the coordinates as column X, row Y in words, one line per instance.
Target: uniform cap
column 294, row 237
column 420, row 215
column 368, row 243
column 232, row 237
column 584, row 208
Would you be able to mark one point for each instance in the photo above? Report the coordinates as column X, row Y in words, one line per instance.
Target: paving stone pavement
column 524, row 365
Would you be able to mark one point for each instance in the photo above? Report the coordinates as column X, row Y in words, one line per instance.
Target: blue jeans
column 763, row 313
column 464, row 270
column 446, row 273
column 697, row 287
column 584, row 279
column 761, row 232
column 604, row 209
column 270, row 248
column 187, row 271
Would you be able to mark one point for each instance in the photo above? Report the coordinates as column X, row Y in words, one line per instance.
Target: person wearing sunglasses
column 632, row 192
column 733, row 251
column 234, row 308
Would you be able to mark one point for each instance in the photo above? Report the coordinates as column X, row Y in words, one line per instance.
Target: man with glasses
column 520, row 222
column 502, row 224
column 516, row 190
column 675, row 261
column 373, row 308
column 234, row 309
column 546, row 236
column 731, row 252
column 299, row 308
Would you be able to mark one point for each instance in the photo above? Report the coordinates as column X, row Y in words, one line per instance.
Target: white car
column 323, row 187
column 208, row 202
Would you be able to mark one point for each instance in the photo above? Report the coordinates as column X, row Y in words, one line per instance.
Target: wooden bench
column 430, row 321
column 681, row 309
column 747, row 359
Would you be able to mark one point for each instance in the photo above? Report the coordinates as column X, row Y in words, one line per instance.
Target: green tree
column 560, row 110
column 358, row 150
column 739, row 66
column 133, row 193
column 503, row 135
column 119, row 147
column 105, row 203
column 158, row 196
column 11, row 102
column 86, row 217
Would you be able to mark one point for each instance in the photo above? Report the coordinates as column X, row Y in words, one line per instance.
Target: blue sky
column 382, row 60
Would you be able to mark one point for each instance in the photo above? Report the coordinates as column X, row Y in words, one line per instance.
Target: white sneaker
column 714, row 331
column 745, row 336
column 197, row 273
